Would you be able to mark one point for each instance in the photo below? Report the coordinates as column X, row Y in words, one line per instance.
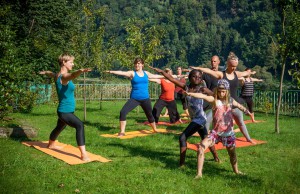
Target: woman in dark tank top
column 231, row 75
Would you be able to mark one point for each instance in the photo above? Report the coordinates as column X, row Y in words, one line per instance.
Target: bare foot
column 199, row 176
column 85, row 158
column 254, row 143
column 54, row 147
column 121, row 134
column 239, row 173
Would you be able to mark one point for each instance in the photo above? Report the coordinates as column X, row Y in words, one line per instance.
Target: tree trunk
column 279, row 98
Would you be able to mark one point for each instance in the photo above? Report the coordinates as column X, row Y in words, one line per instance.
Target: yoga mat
column 250, row 121
column 240, row 142
column 68, row 153
column 165, row 123
column 139, row 133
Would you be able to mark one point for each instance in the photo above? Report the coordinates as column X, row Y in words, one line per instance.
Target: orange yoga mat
column 139, row 133
column 240, row 142
column 167, row 123
column 68, row 153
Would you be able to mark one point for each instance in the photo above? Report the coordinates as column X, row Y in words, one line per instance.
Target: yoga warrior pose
column 248, row 91
column 231, row 75
column 66, row 107
column 179, row 91
column 211, row 83
column 166, row 99
column 195, row 108
column 222, row 124
column 139, row 95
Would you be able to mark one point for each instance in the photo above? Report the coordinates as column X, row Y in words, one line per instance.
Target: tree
column 8, row 49
column 87, row 41
column 287, row 42
column 143, row 40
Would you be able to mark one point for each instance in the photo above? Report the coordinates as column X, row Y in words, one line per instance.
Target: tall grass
column 147, row 164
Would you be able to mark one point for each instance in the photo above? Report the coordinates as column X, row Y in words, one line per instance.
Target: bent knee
column 201, row 149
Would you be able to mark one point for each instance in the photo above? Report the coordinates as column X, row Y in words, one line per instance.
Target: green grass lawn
column 147, row 164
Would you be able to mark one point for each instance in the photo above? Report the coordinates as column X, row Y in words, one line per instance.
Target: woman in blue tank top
column 231, row 75
column 139, row 95
column 66, row 107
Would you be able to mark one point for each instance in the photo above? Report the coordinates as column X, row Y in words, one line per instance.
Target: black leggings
column 132, row 103
column 249, row 101
column 190, row 130
column 70, row 119
column 181, row 97
column 172, row 110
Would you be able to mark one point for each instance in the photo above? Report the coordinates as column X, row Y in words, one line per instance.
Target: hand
column 253, row 72
column 192, row 67
column 42, row 72
column 185, row 93
column 86, row 70
column 247, row 112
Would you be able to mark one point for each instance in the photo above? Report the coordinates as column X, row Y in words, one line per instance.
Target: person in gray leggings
column 231, row 75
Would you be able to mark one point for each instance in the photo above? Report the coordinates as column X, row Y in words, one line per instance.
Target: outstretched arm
column 128, row 74
column 216, row 74
column 48, row 73
column 153, row 76
column 202, row 96
column 158, row 81
column 70, row 76
column 244, row 73
column 257, row 80
column 169, row 77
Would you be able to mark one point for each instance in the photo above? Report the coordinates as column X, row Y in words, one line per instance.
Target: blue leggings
column 70, row 119
column 190, row 130
column 132, row 103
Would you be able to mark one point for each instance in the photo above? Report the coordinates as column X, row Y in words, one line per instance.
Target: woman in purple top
column 139, row 95
column 66, row 107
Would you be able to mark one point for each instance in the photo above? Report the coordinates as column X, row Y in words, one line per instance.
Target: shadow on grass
column 211, row 168
column 18, row 134
column 43, row 114
column 100, row 126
